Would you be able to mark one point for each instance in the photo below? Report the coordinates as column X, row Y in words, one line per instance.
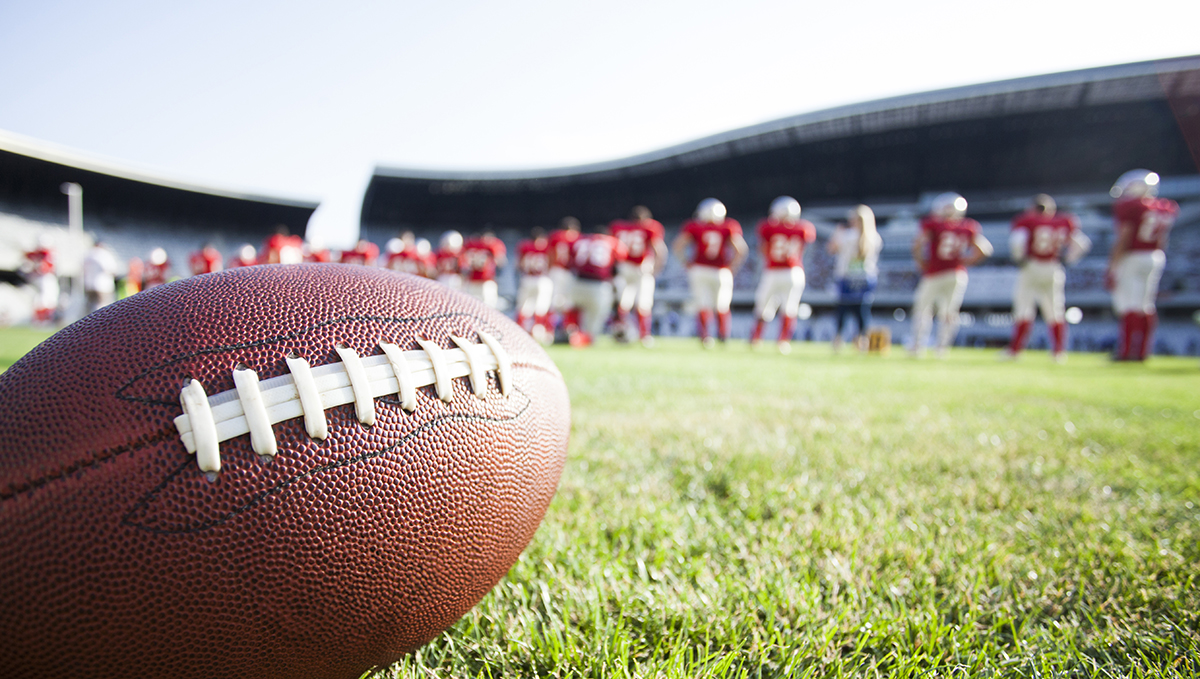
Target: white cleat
column 1006, row 356
column 648, row 341
column 1059, row 357
column 785, row 348
column 708, row 343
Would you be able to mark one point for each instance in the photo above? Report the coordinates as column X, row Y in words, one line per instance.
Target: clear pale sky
column 302, row 99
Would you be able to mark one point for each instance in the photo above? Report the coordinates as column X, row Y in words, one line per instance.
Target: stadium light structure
column 74, row 207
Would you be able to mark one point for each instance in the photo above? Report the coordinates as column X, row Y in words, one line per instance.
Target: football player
column 314, row 250
column 1040, row 238
column 207, row 259
column 364, row 253
column 561, row 241
column 644, row 239
column 158, row 269
column 782, row 237
column 282, row 248
column 718, row 251
column 404, row 256
column 481, row 256
column 40, row 268
column 945, row 246
column 247, row 256
column 594, row 257
column 448, row 260
column 536, row 290
column 1142, row 222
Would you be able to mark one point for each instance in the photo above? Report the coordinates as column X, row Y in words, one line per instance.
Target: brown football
column 276, row 471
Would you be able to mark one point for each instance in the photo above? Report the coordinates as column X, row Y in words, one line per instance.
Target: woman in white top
column 856, row 245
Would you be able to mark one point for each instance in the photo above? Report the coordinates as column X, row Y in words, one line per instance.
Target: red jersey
column 713, row 243
column 206, row 260
column 638, row 237
column 560, row 247
column 155, row 274
column 947, row 243
column 364, row 253
column 593, row 256
column 281, row 249
column 1046, row 236
column 411, row 261
column 42, row 260
column 783, row 243
column 1149, row 220
column 318, row 256
column 447, row 263
column 479, row 256
column 533, row 257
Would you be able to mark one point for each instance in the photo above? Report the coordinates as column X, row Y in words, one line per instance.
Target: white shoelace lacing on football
column 253, row 406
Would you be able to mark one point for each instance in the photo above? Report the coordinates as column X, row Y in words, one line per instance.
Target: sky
column 304, row 99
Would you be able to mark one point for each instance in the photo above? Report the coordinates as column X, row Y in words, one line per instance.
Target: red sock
column 1020, row 334
column 571, row 319
column 702, row 320
column 1058, row 332
column 542, row 320
column 1129, row 325
column 521, row 318
column 643, row 323
column 785, row 329
column 1146, row 347
column 756, row 334
column 724, row 320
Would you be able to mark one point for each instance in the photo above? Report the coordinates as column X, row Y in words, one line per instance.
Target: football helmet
column 394, row 246
column 1135, row 184
column 158, row 256
column 949, row 205
column 423, row 246
column 710, row 211
column 1044, row 203
column 785, row 209
column 451, row 241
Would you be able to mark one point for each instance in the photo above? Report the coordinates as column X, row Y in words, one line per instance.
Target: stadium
column 721, row 513
column 1069, row 134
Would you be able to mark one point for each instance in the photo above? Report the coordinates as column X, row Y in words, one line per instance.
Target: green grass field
column 734, row 513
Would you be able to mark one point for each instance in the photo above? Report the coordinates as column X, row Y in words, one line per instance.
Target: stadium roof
column 31, row 172
column 1075, row 130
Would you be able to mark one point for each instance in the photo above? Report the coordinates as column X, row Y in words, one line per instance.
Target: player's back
column 783, row 242
column 638, row 237
column 560, row 247
column 594, row 255
column 947, row 243
column 713, row 242
column 533, row 257
column 1149, row 220
column 1046, row 235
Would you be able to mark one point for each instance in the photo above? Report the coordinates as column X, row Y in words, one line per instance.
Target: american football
column 285, row 471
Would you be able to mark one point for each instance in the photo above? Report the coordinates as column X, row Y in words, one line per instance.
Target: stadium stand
column 1070, row 134
column 132, row 211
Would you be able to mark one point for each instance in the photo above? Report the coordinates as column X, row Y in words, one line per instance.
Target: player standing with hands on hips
column 946, row 245
column 1036, row 244
column 781, row 237
column 718, row 250
column 1142, row 221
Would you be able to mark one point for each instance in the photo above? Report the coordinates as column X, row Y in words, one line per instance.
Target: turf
column 731, row 513
column 736, row 513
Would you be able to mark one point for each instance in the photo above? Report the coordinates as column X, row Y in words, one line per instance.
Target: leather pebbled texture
column 119, row 558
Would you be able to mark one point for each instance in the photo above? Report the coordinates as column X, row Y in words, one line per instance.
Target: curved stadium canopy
column 1074, row 131
column 31, row 173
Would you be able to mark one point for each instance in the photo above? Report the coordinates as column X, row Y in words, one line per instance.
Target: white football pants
column 594, row 299
column 534, row 295
column 635, row 287
column 712, row 288
column 779, row 287
column 944, row 291
column 1138, row 274
column 1040, row 284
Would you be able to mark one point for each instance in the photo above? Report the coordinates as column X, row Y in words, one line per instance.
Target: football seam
column 261, row 496
column 294, row 334
column 167, row 432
